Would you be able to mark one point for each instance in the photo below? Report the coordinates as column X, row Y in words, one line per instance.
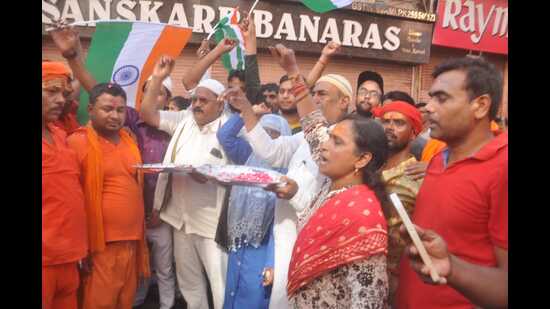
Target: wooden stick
column 414, row 236
column 253, row 7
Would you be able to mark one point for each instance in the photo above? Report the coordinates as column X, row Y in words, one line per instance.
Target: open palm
column 66, row 39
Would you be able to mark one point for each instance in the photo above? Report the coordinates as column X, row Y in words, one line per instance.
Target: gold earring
column 356, row 171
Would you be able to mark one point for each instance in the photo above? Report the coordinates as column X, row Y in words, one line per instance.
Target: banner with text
column 363, row 35
column 480, row 25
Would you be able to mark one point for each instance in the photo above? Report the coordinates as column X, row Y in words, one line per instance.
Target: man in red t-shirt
column 462, row 207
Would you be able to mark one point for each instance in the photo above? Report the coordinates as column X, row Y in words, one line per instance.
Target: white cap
column 167, row 82
column 212, row 85
column 339, row 82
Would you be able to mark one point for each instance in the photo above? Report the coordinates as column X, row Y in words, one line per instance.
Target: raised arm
column 251, row 71
column 67, row 40
column 191, row 79
column 314, row 123
column 326, row 55
column 276, row 152
column 236, row 148
column 149, row 111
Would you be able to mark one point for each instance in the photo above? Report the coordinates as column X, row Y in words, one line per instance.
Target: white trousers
column 196, row 255
column 284, row 235
column 162, row 255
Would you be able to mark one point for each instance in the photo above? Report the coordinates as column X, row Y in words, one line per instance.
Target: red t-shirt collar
column 485, row 153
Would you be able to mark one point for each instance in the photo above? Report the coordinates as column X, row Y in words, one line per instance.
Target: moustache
column 197, row 109
column 390, row 135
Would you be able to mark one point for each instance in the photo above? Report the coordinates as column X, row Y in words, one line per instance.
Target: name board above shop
column 381, row 8
column 361, row 35
column 480, row 25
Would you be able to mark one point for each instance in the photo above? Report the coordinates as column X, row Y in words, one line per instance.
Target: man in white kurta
column 294, row 152
column 194, row 207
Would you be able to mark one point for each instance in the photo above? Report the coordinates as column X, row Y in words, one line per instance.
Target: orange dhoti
column 59, row 286
column 113, row 279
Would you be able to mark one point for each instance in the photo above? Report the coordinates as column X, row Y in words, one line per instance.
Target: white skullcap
column 212, row 85
column 339, row 82
column 167, row 82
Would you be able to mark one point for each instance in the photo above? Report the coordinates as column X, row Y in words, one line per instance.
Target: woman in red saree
column 339, row 258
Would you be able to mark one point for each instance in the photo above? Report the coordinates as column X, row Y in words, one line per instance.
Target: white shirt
column 194, row 207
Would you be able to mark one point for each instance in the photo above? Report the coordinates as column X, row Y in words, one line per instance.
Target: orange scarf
column 93, row 191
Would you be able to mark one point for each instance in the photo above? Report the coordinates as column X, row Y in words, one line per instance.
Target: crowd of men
column 108, row 228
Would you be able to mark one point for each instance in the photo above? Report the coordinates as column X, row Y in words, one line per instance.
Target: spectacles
column 365, row 93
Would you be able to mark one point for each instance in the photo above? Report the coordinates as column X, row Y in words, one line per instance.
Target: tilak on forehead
column 411, row 113
column 55, row 74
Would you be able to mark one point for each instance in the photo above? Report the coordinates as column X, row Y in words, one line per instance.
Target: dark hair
column 181, row 102
column 372, row 76
column 109, row 88
column 369, row 136
column 283, row 79
column 260, row 98
column 421, row 104
column 168, row 92
column 481, row 78
column 236, row 73
column 269, row 87
column 397, row 95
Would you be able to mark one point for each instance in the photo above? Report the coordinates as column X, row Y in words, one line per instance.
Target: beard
column 395, row 147
column 363, row 112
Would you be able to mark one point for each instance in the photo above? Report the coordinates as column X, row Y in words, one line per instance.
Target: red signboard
column 480, row 25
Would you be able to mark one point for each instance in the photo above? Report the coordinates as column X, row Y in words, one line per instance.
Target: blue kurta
column 244, row 286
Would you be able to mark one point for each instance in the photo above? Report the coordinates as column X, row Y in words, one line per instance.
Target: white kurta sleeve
column 305, row 194
column 276, row 152
column 170, row 120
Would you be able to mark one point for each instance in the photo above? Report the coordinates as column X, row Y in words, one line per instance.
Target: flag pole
column 253, row 7
column 249, row 13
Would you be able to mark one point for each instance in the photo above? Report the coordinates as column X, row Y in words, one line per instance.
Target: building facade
column 395, row 43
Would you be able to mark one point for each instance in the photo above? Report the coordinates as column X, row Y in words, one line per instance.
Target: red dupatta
column 348, row 227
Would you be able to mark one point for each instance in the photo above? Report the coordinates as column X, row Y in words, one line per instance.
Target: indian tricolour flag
column 228, row 27
column 322, row 6
column 125, row 53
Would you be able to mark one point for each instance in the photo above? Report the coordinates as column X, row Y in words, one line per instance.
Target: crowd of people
column 328, row 237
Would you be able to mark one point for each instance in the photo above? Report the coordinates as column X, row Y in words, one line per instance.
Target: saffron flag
column 125, row 53
column 228, row 27
column 322, row 6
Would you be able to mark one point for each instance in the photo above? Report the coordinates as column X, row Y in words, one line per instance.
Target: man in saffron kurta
column 64, row 239
column 114, row 201
column 67, row 120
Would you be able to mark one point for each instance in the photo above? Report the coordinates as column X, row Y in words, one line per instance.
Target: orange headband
column 54, row 70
